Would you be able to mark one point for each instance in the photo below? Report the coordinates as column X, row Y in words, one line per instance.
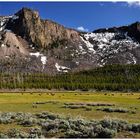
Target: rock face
column 30, row 44
column 41, row 33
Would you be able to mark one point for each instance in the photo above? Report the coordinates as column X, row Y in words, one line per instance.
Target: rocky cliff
column 40, row 33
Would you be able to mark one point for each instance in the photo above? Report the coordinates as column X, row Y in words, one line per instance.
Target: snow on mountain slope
column 107, row 45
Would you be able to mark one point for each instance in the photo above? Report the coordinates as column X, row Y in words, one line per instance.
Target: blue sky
column 85, row 15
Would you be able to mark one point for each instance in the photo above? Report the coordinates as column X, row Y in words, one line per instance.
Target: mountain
column 31, row 44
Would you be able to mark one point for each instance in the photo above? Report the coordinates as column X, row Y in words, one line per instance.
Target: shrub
column 46, row 102
column 114, row 124
column 13, row 133
column 135, row 128
column 88, row 108
column 6, row 118
column 73, row 134
column 39, row 103
column 20, row 116
column 28, row 122
column 3, row 136
column 53, row 132
column 50, row 125
column 90, row 132
column 74, row 103
column 43, row 115
column 46, row 115
column 106, row 133
column 24, row 134
column 52, row 116
column 35, row 133
column 120, row 110
column 52, row 102
column 51, row 128
column 89, row 104
column 64, row 124
column 99, row 104
column 102, row 132
column 74, row 106
column 133, row 112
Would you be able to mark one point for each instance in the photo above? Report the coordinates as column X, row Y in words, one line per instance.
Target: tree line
column 109, row 77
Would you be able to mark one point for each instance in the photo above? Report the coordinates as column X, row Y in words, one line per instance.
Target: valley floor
column 75, row 105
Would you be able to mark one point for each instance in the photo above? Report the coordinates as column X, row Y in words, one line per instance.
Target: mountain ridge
column 36, row 45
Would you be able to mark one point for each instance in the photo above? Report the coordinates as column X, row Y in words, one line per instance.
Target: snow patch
column 134, row 59
column 2, row 45
column 77, row 63
column 3, row 21
column 7, row 56
column 88, row 45
column 43, row 58
column 81, row 48
column 31, row 46
column 37, row 54
column 14, row 17
column 2, row 25
column 61, row 68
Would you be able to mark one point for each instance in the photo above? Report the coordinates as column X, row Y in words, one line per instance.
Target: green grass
column 16, row 102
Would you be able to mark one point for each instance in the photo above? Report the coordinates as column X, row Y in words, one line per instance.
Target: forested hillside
column 109, row 77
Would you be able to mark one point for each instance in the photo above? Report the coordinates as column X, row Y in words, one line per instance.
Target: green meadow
column 26, row 102
column 85, row 107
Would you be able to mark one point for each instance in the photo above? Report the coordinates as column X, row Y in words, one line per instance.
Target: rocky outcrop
column 41, row 33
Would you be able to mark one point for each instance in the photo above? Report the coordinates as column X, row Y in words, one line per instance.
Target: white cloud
column 81, row 28
column 133, row 3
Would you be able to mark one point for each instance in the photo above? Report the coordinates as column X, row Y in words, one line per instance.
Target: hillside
column 31, row 44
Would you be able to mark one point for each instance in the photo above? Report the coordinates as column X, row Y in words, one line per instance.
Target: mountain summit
column 31, row 44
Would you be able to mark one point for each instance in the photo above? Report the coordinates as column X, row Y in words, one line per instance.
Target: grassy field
column 65, row 104
column 24, row 102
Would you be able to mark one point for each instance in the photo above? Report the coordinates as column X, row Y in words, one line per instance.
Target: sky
column 85, row 16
